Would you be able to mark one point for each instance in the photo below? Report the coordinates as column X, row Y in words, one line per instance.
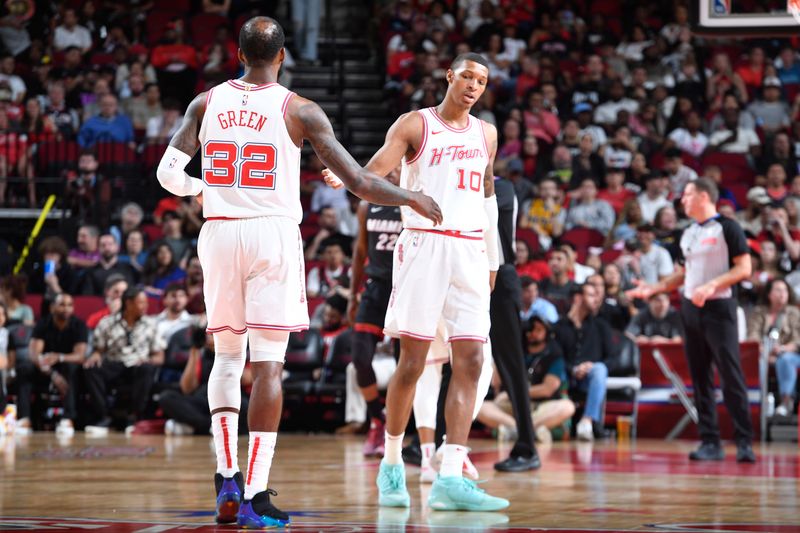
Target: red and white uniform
column 250, row 248
column 442, row 272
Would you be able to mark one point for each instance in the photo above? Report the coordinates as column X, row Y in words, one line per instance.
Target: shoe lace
column 472, row 486
column 396, row 478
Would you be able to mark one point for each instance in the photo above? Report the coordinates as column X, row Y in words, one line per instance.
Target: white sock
column 393, row 448
column 428, row 449
column 259, row 462
column 225, row 428
column 453, row 460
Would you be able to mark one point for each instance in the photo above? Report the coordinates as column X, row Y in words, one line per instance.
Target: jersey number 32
column 251, row 165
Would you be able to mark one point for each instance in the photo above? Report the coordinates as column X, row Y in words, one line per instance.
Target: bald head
column 260, row 40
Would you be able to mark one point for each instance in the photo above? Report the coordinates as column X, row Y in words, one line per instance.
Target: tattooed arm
column 307, row 120
column 181, row 148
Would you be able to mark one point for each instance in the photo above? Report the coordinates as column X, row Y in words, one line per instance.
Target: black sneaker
column 412, row 454
column 744, row 453
column 708, row 451
column 519, row 464
column 259, row 513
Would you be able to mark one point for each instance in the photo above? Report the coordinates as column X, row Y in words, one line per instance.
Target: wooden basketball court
column 157, row 483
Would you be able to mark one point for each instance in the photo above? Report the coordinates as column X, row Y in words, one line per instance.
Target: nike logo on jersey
column 436, row 132
column 375, row 209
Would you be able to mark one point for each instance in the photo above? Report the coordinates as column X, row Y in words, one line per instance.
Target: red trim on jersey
column 243, row 87
column 438, row 117
column 223, row 421
column 223, row 218
column 483, row 136
column 285, row 105
column 253, row 460
column 453, row 233
column 424, row 141
column 208, row 96
column 297, row 327
column 363, row 327
column 223, row 328
column 467, row 338
column 401, row 333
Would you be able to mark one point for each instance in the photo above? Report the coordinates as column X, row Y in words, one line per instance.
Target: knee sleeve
column 224, row 383
column 426, row 396
column 268, row 345
column 363, row 353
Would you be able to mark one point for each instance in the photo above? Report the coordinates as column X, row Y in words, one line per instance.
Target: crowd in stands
column 605, row 111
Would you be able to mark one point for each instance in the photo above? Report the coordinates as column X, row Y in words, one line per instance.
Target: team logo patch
column 244, row 99
column 172, row 162
column 710, row 241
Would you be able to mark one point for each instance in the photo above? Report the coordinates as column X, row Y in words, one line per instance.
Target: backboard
column 731, row 18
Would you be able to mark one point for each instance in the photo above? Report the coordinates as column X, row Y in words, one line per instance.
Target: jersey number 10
column 474, row 180
column 256, row 165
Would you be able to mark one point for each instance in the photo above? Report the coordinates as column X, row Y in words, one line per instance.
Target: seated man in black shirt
column 615, row 311
column 558, row 287
column 57, row 351
column 585, row 340
column 658, row 323
column 550, row 407
column 95, row 280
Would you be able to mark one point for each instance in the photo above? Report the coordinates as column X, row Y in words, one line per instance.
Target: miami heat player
column 442, row 273
column 250, row 131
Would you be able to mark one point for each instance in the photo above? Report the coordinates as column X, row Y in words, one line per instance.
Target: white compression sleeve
column 490, row 236
column 172, row 177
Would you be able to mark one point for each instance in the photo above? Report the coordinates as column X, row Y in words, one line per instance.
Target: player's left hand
column 492, row 279
column 701, row 294
column 331, row 179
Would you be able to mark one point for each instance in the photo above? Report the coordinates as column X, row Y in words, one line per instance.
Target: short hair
column 112, row 280
column 527, row 281
column 673, row 153
column 132, row 206
column 469, row 56
column 260, row 40
column 130, row 294
column 92, row 229
column 707, row 186
column 174, row 287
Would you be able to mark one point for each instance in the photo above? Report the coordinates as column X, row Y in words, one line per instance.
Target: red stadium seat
column 115, row 153
column 530, row 237
column 151, row 156
column 204, row 27
column 584, row 238
column 735, row 167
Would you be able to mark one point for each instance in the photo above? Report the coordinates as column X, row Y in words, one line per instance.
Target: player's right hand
column 642, row 290
column 427, row 207
column 331, row 179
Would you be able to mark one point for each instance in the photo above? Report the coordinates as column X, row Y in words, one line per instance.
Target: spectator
column 176, row 63
column 771, row 112
column 86, row 255
column 88, row 193
column 752, row 72
column 678, row 173
column 194, row 286
column 778, row 230
column 187, row 409
column 334, row 320
column 131, row 216
column 782, row 153
column 586, row 211
column 8, row 67
column 789, row 69
column 733, row 138
column 35, row 124
column 654, row 197
column 659, row 322
column 306, row 18
column 620, row 148
column 70, row 33
column 532, row 305
column 715, row 173
column 616, row 308
column 545, row 215
column 615, row 193
column 323, row 197
column 161, row 128
column 57, row 351
column 665, row 228
column 689, row 138
column 513, row 169
column 328, row 233
column 348, row 218
column 563, row 168
column 109, row 125
column 115, row 287
column 723, row 80
column 606, row 113
column 127, row 350
column 145, row 106
column 173, row 236
column 558, row 287
column 512, row 143
column 776, row 183
column 587, row 162
column 161, row 270
column 13, row 158
column 540, row 122
column 329, row 277
column 550, row 408
column 134, row 253
column 91, row 100
column 625, row 227
column 175, row 317
column 53, row 275
column 585, row 341
column 653, row 262
column 528, row 265
column 95, row 279
column 583, row 113
column 776, row 324
column 65, row 119
column 13, row 290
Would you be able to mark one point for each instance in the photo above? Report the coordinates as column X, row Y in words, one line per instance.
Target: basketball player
column 442, row 273
column 379, row 228
column 250, row 131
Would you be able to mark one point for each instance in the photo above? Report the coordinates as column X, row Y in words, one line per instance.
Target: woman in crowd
column 161, row 270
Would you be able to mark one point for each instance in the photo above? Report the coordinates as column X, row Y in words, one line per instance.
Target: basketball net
column 793, row 7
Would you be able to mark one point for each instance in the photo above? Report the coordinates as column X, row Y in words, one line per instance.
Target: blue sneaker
column 391, row 483
column 259, row 513
column 460, row 494
column 229, row 497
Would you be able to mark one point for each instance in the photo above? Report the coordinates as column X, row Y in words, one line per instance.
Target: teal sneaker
column 391, row 483
column 461, row 494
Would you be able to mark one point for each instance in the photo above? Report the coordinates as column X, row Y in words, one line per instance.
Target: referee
column 715, row 257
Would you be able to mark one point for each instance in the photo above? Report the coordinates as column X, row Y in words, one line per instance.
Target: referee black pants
column 712, row 337
column 506, row 336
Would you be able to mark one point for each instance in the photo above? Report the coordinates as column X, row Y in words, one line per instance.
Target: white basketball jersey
column 449, row 167
column 251, row 167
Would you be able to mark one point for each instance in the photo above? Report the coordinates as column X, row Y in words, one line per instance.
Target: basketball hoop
column 793, row 7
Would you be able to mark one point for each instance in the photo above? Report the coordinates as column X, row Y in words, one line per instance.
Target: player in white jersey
column 250, row 131
column 442, row 273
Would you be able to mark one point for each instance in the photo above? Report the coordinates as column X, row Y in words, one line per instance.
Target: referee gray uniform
column 708, row 249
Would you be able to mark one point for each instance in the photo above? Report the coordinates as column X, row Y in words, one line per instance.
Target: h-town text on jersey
column 454, row 153
column 245, row 119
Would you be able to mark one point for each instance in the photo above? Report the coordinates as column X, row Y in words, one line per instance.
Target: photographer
column 778, row 230
column 87, row 193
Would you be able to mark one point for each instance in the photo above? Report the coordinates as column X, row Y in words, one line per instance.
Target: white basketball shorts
column 254, row 274
column 438, row 276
